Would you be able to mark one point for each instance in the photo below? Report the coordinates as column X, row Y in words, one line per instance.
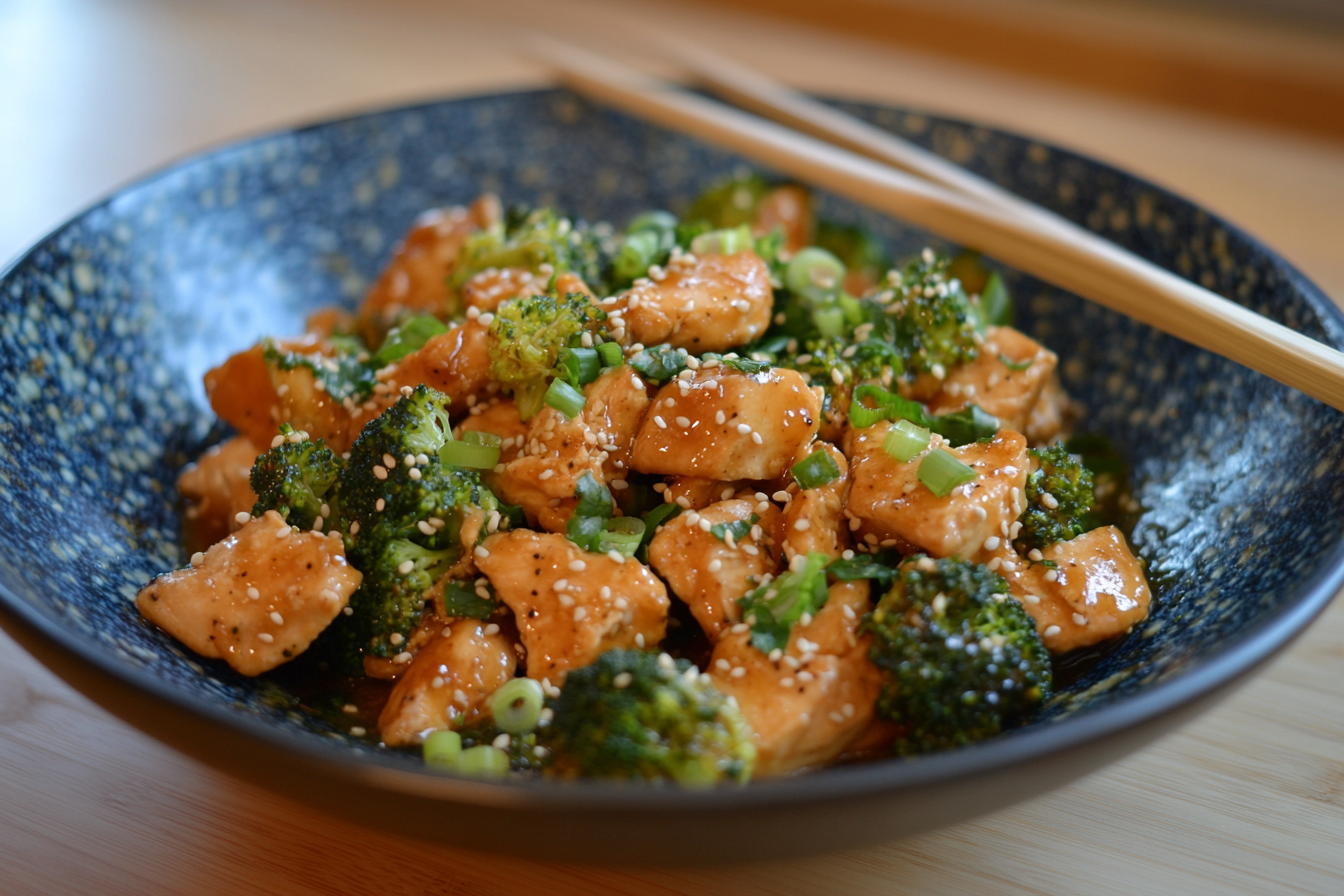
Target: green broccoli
column 961, row 660
column 1060, row 499
column 730, row 202
column 934, row 321
column 532, row 238
column 526, row 338
column 637, row 715
column 347, row 374
column 404, row 520
column 648, row 240
column 297, row 478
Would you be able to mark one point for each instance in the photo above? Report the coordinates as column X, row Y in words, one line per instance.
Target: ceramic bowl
column 107, row 325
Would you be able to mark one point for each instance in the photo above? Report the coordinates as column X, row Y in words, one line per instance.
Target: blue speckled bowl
column 107, row 325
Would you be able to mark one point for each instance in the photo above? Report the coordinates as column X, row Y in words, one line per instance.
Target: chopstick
column 1034, row 241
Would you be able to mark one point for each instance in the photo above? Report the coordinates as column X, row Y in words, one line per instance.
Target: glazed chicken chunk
column 805, row 704
column 256, row 599
column 570, row 604
column 217, row 488
column 722, row 424
column 701, row 304
column 814, row 519
column 455, row 671
column 891, row 503
column 710, row 573
column 1006, row 379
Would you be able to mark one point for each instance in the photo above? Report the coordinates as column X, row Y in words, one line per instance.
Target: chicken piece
column 457, row 363
column 452, row 675
column 814, row 518
column 217, row 488
column 240, row 392
column 992, row 382
column 788, row 207
column 256, row 599
column 708, row 573
column 892, row 503
column 498, row 416
column 415, row 281
column 494, row 286
column 1096, row 591
column 1046, row 419
column 558, row 451
column 806, row 707
column 306, row 406
column 572, row 605
column 697, row 493
column 707, row 304
column 722, row 424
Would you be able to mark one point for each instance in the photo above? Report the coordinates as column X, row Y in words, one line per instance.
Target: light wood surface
column 1248, row 799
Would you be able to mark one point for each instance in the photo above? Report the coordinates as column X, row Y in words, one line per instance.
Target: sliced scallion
column 516, row 706
column 621, row 534
column 814, row 272
column 483, row 761
column 815, row 470
column 723, row 242
column 581, row 365
column 611, row 354
column 442, row 749
column 942, row 472
column 565, row 398
column 905, row 440
column 470, row 454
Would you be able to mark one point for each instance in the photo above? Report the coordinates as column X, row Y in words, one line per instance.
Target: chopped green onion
column 942, row 472
column 905, row 440
column 461, row 599
column 889, row 407
column 970, row 424
column 815, row 470
column 724, row 242
column 996, row 305
column 660, row 363
column 814, row 272
column 442, row 750
column 580, row 365
column 739, row 529
column 409, row 337
column 469, row 454
column 746, row 365
column 516, row 706
column 1015, row 365
column 565, row 398
column 829, row 320
column 621, row 534
column 483, row 761
column 655, row 518
column 611, row 354
column 655, row 220
column 481, row 437
column 861, row 568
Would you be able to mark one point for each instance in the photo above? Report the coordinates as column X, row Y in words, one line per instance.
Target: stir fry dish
column 718, row 496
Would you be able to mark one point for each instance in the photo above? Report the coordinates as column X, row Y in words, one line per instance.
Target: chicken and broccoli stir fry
column 719, row 496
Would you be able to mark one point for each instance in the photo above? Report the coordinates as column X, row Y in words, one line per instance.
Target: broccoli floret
column 933, row 318
column 295, row 478
column 346, row 373
column 730, row 202
column 961, row 660
column 531, row 238
column 404, row 521
column 637, row 715
column 648, row 240
column 526, row 337
column 1060, row 499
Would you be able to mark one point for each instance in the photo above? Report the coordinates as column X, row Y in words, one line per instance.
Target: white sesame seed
column 284, row 533
column 1079, row 619
column 622, row 680
column 379, row 471
column 715, row 565
column 358, row 731
column 683, row 502
column 354, row 528
column 617, row 556
column 774, row 655
column 1049, row 500
column 802, row 525
column 492, row 629
column 197, row 559
column 782, row 496
column 1051, row 575
column 414, row 473
column 395, row 638
column 662, row 424
column 481, row 553
column 1035, row 555
column 992, row 543
column 1051, row 631
column 578, row 566
column 277, row 618
column 705, row 524
column 757, row 438
column 639, row 639
column 692, row 518
column 242, row 517
column 743, row 429
column 266, row 638
column 786, row 681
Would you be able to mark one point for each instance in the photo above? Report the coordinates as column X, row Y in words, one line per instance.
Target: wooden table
column 1248, row 799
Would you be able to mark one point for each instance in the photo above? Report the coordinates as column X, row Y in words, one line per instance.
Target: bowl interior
column 108, row 324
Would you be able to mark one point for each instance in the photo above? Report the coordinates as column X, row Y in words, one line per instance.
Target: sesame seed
column 757, row 438
column 198, row 558
column 379, row 471
column 774, row 655
column 1049, row 500
column 617, row 556
column 502, row 742
column 265, row 638
column 992, row 543
column 980, row 512
column 481, row 553
column 403, row 658
column 379, row 505
column 704, row 524
column 424, row 527
column 414, row 473
column 662, row 424
column 692, row 518
column 492, row 629
column 578, row 566
column 1035, row 555
column 283, row 533
column 1079, row 619
column 782, row 496
column 639, row 639
column 786, row 681
column 715, row 565
column 802, row 525
column 277, row 618
column 354, row 528
column 743, row 429
column 683, row 502
column 242, row 517
column 1051, row 575
column 1051, row 631
column 357, row 731
column 546, row 474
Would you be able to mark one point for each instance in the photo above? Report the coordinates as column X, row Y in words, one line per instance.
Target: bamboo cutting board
column 1247, row 799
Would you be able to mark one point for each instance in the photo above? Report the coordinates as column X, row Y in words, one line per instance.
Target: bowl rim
column 396, row 775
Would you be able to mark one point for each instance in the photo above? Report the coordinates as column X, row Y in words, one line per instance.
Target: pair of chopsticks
column 830, row 149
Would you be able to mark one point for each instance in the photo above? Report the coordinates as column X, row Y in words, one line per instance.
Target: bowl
column 107, row 325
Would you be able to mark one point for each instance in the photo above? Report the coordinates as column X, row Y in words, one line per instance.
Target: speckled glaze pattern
column 108, row 324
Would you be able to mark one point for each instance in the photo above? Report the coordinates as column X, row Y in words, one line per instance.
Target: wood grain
column 1248, row 799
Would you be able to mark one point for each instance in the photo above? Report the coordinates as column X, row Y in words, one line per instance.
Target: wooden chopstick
column 1068, row 257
